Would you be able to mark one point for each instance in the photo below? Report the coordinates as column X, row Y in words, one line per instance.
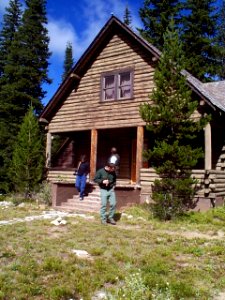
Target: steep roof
column 207, row 91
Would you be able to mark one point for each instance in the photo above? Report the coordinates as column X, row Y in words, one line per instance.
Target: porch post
column 140, row 143
column 208, row 147
column 48, row 150
column 93, row 159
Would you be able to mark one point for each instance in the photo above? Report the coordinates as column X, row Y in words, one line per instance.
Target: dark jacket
column 84, row 168
column 101, row 175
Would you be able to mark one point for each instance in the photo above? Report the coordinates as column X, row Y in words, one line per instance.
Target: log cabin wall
column 210, row 186
column 83, row 110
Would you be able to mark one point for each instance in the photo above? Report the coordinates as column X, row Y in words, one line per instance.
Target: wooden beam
column 93, row 158
column 208, row 147
column 139, row 153
column 48, row 150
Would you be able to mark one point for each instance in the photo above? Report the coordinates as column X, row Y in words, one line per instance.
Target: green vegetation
column 28, row 156
column 169, row 116
column 24, row 56
column 138, row 259
column 201, row 30
column 68, row 60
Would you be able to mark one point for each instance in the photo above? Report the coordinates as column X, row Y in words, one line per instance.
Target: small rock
column 6, row 203
column 59, row 221
column 220, row 233
column 82, row 253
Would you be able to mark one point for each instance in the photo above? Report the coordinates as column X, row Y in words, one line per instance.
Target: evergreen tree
column 28, row 58
column 8, row 128
column 127, row 17
column 24, row 72
column 198, row 34
column 68, row 61
column 11, row 23
column 168, row 117
column 28, row 156
column 156, row 16
column 220, row 41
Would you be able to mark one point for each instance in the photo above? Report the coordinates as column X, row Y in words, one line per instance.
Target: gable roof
column 115, row 25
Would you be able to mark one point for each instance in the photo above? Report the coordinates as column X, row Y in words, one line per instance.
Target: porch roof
column 212, row 92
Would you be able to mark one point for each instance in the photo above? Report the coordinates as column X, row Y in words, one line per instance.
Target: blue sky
column 77, row 22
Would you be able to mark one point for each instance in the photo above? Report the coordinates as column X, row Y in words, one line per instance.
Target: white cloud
column 84, row 21
column 60, row 33
column 94, row 15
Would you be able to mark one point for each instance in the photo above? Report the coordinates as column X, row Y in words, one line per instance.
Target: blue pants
column 105, row 197
column 81, row 184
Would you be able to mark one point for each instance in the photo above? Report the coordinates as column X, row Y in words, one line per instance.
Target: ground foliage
column 140, row 258
column 169, row 116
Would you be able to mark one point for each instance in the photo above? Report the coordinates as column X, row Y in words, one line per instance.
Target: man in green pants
column 106, row 179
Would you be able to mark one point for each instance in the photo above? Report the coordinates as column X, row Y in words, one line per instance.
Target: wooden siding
column 82, row 109
column 211, row 183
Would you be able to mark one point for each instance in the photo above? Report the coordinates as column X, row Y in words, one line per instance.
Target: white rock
column 81, row 253
column 59, row 221
column 6, row 203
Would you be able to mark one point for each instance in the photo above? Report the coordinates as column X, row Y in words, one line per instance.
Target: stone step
column 90, row 203
column 82, row 204
column 76, row 209
column 89, row 197
column 86, row 201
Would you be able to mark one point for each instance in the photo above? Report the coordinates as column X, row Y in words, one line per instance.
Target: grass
column 140, row 258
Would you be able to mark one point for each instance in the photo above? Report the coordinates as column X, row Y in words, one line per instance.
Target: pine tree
column 8, row 127
column 11, row 23
column 156, row 16
column 220, row 41
column 28, row 156
column 199, row 28
column 30, row 51
column 127, row 17
column 68, row 61
column 168, row 117
column 24, row 72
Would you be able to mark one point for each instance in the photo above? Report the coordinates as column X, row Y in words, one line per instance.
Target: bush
column 44, row 194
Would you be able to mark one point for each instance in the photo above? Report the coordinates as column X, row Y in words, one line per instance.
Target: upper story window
column 117, row 85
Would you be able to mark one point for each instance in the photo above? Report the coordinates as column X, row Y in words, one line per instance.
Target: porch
column 134, row 184
column 210, row 190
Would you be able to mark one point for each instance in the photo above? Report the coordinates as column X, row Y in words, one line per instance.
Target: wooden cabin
column 97, row 107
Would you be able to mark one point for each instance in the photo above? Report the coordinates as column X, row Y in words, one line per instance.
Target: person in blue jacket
column 81, row 175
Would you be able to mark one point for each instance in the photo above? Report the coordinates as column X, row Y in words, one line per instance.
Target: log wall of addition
column 83, row 109
column 210, row 183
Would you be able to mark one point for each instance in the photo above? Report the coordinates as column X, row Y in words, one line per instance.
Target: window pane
column 124, row 78
column 109, row 81
column 109, row 94
column 125, row 92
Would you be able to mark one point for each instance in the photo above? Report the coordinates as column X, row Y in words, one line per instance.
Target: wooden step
column 90, row 203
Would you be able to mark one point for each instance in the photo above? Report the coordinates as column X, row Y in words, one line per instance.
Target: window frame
column 117, row 85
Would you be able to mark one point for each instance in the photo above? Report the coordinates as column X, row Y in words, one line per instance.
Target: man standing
column 106, row 179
